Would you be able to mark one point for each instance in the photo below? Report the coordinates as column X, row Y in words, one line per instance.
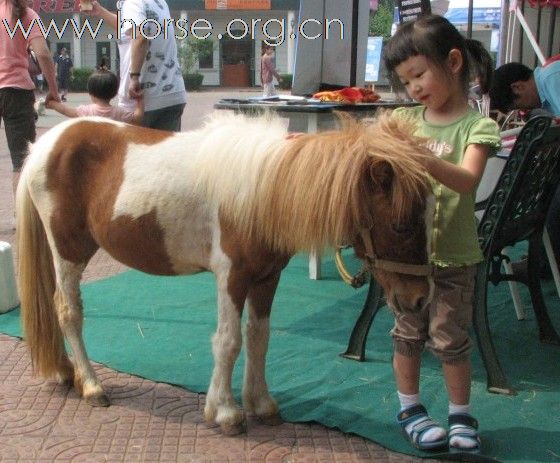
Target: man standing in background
column 64, row 68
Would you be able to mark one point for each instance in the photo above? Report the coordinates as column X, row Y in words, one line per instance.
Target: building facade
column 234, row 31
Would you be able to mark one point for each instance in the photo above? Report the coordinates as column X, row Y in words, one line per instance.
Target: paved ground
column 41, row 421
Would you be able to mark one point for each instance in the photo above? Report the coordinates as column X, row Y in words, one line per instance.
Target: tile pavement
column 41, row 421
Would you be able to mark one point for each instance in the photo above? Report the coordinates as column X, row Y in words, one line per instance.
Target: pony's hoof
column 233, row 429
column 68, row 382
column 270, row 420
column 100, row 400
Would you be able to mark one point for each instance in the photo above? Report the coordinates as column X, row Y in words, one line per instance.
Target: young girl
column 429, row 58
column 102, row 88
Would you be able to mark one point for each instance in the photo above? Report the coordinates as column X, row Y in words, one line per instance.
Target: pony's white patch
column 256, row 398
column 220, row 162
column 226, row 345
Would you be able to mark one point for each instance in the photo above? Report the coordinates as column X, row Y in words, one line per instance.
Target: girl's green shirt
column 454, row 235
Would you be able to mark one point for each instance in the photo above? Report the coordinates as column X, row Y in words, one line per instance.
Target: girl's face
column 426, row 83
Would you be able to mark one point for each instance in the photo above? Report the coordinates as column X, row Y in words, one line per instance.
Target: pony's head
column 395, row 237
column 396, row 246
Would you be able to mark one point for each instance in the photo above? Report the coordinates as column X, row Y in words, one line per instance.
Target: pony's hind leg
column 256, row 399
column 220, row 407
column 69, row 310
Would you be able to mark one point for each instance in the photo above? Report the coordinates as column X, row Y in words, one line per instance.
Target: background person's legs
column 63, row 87
column 19, row 122
column 165, row 118
column 269, row 90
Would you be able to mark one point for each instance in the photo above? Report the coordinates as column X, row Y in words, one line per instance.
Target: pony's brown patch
column 255, row 269
column 85, row 172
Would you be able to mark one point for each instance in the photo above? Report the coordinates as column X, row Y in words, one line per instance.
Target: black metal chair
column 515, row 211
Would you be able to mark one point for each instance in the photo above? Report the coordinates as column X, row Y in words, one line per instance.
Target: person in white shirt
column 149, row 64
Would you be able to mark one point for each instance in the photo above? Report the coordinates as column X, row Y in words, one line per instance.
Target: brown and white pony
column 237, row 198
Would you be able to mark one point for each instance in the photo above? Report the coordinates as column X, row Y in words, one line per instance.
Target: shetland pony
column 237, row 198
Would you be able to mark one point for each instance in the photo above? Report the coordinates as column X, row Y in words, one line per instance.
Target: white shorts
column 269, row 90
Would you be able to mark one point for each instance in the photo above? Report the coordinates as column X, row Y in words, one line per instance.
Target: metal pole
column 539, row 20
column 530, row 35
column 504, row 27
column 551, row 31
column 470, row 19
column 354, row 46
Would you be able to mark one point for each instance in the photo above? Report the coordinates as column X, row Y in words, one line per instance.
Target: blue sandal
column 415, row 422
column 464, row 426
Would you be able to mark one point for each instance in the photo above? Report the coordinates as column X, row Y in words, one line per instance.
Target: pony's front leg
column 256, row 399
column 220, row 407
column 69, row 310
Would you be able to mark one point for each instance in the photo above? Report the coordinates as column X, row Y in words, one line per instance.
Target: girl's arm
column 138, row 51
column 463, row 178
column 43, row 54
column 62, row 108
column 139, row 111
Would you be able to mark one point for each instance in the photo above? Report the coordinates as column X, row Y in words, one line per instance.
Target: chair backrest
column 517, row 207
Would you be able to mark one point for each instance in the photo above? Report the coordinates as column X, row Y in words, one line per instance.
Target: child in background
column 482, row 70
column 102, row 88
column 429, row 57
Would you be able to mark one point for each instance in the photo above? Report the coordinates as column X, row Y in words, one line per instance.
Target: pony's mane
column 314, row 190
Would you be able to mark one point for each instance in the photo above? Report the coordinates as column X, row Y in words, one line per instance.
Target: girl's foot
column 422, row 432
column 463, row 434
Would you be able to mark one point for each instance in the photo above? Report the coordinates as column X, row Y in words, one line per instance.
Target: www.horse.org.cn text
column 275, row 31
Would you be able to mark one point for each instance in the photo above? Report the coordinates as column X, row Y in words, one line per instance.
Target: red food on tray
column 348, row 95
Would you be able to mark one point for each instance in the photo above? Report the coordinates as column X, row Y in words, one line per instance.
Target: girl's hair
column 481, row 64
column 18, row 8
column 431, row 36
column 103, row 84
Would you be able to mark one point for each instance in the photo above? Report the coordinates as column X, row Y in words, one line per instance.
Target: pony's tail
column 36, row 278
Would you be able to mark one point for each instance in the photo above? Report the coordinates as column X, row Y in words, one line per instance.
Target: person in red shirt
column 16, row 86
column 268, row 72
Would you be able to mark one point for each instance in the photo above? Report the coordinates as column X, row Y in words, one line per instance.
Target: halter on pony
column 373, row 262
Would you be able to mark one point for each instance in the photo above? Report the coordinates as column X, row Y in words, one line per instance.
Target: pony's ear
column 382, row 176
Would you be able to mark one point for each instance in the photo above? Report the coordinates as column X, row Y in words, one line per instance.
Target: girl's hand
column 135, row 89
column 463, row 178
column 51, row 97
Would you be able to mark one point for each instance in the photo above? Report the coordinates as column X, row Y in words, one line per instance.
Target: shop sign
column 55, row 6
column 237, row 4
column 409, row 10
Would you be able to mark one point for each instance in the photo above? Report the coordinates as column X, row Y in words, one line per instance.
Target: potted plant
column 286, row 82
column 189, row 52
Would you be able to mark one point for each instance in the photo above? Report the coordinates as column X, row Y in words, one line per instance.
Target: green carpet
column 160, row 328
